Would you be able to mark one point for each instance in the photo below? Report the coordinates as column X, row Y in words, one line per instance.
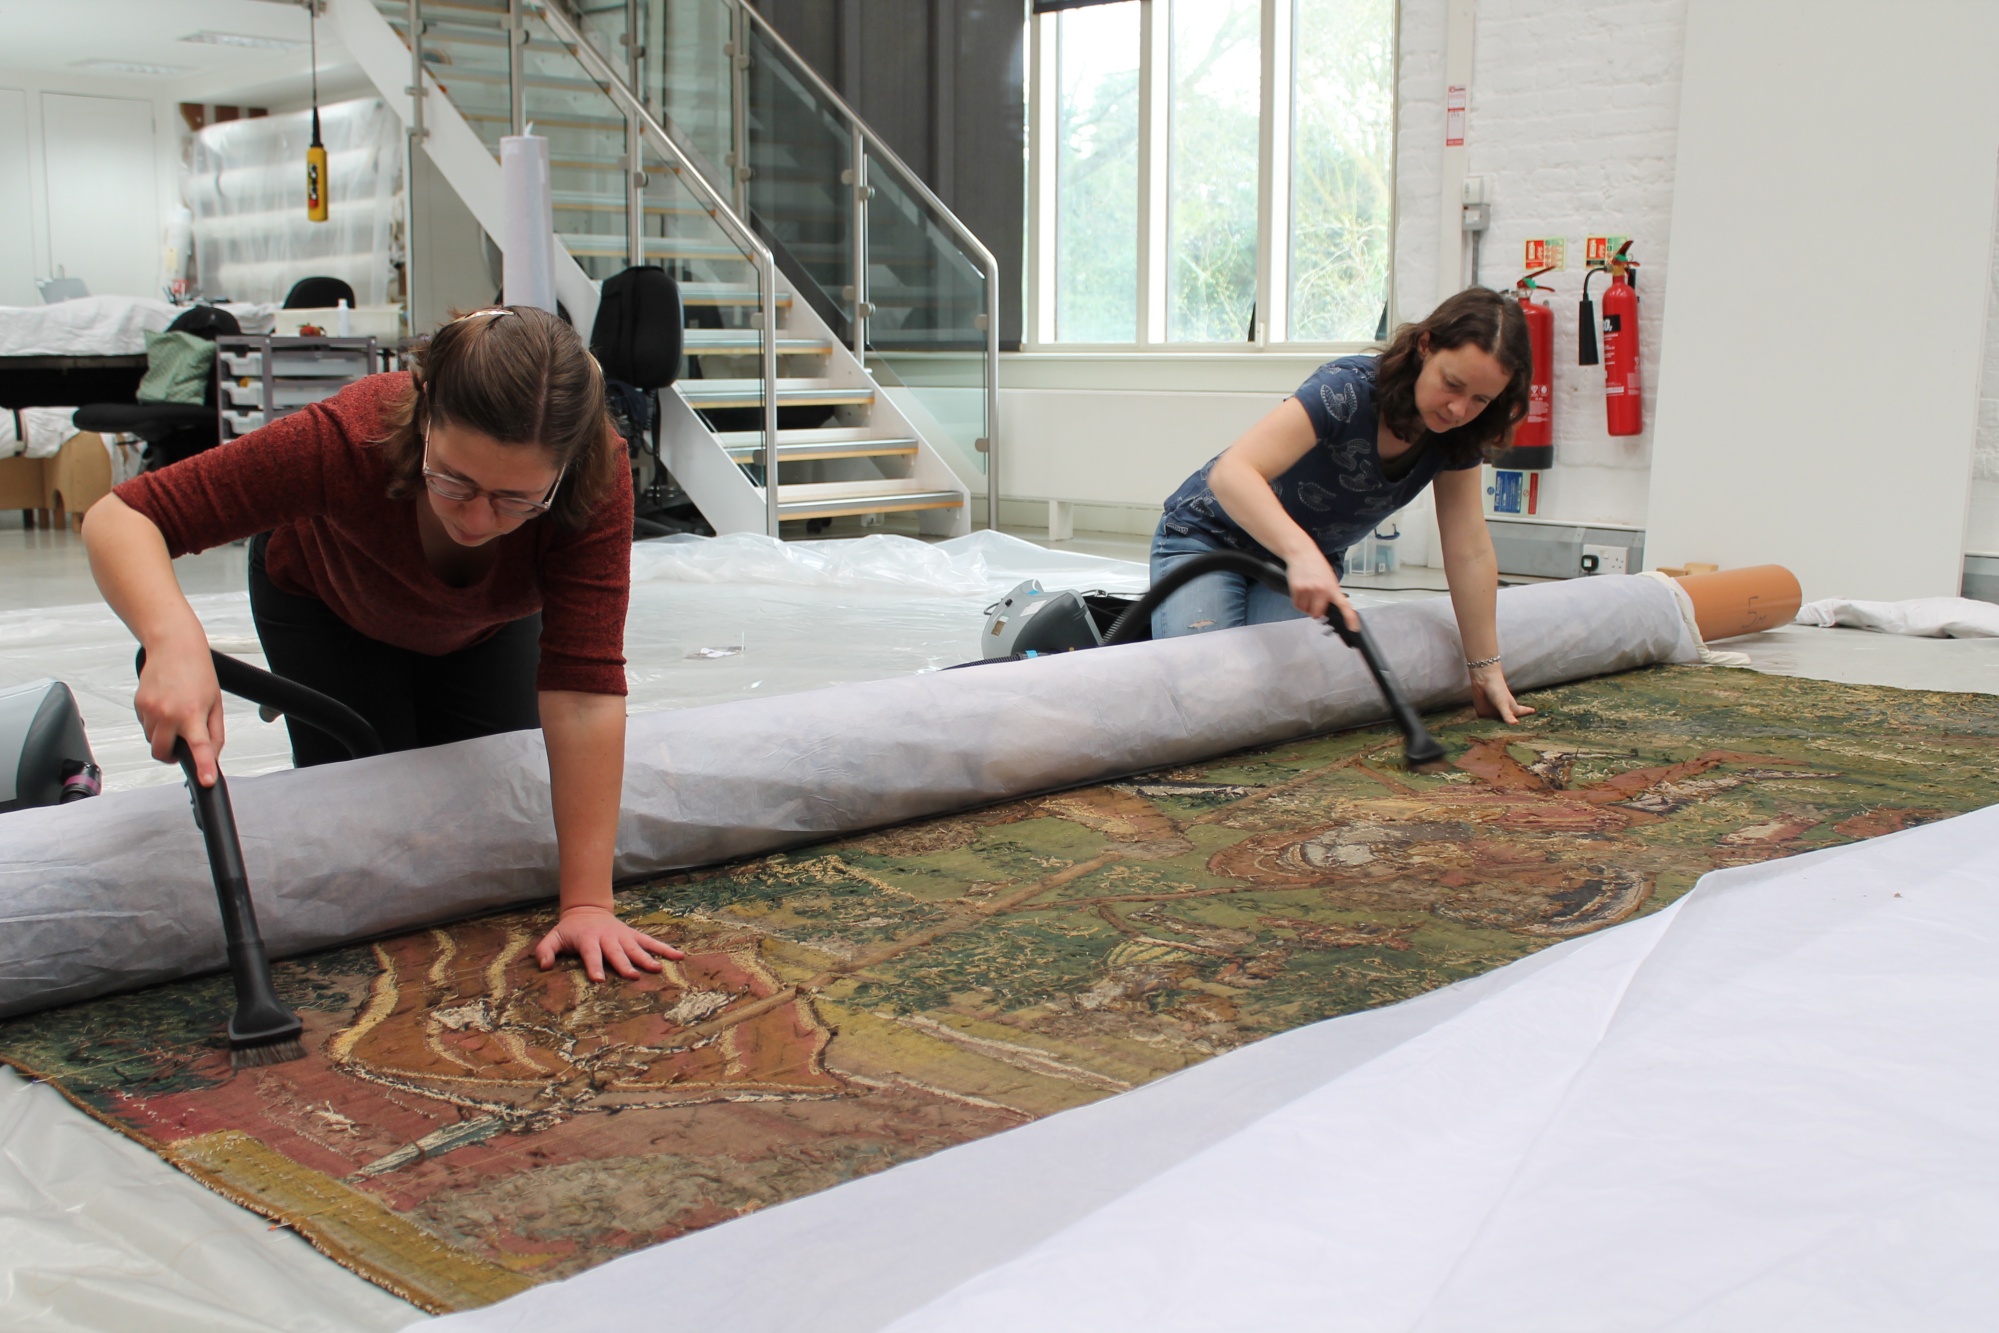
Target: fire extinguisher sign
column 1545, row 252
column 1597, row 250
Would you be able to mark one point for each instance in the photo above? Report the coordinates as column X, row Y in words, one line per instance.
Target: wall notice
column 1545, row 252
column 1597, row 250
column 1454, row 116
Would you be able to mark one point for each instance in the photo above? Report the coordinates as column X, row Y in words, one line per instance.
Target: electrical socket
column 1606, row 559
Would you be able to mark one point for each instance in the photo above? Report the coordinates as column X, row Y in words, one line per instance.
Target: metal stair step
column 589, row 201
column 832, row 499
column 790, row 393
column 737, row 341
column 726, row 293
column 678, row 247
column 798, row 446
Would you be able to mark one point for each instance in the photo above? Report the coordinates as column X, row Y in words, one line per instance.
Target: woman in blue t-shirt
column 1359, row 440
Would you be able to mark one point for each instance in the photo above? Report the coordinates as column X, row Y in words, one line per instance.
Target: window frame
column 1273, row 213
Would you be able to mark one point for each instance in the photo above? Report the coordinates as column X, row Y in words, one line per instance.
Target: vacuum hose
column 294, row 700
column 1419, row 748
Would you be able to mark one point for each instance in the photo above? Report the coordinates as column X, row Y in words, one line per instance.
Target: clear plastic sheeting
column 97, row 1234
column 1761, row 1107
column 89, row 649
column 711, row 619
column 245, row 183
column 745, row 616
column 113, row 894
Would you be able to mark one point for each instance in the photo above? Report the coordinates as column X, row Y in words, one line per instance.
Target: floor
column 117, row 1228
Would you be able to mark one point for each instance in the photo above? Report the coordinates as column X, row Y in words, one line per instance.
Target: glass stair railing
column 888, row 268
column 851, row 436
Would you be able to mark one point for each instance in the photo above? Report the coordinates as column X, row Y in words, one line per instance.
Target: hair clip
column 474, row 314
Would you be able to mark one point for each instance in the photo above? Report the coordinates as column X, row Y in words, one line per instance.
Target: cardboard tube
column 528, row 246
column 1743, row 601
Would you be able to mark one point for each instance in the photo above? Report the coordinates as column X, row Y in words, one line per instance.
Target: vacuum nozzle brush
column 1421, row 751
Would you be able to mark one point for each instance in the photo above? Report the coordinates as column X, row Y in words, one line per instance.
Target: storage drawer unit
column 263, row 379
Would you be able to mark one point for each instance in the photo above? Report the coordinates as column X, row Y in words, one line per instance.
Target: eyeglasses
column 507, row 504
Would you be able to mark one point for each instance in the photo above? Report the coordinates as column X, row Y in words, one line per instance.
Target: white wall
column 103, row 194
column 121, row 203
column 1823, row 449
column 17, row 233
column 1572, row 119
column 1981, row 532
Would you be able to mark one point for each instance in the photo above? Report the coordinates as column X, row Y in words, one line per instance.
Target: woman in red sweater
column 448, row 552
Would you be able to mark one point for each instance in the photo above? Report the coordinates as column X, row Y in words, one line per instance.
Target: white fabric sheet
column 48, row 429
column 96, row 1233
column 1767, row 1106
column 1924, row 617
column 88, row 326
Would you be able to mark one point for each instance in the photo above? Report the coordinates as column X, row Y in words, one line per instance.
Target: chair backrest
column 206, row 321
column 318, row 294
column 637, row 336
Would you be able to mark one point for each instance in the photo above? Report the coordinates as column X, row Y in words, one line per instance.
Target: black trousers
column 413, row 700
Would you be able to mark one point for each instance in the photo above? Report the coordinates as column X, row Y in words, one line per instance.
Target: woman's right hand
column 1315, row 589
column 179, row 697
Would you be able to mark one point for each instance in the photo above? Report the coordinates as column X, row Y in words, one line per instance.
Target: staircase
column 839, row 330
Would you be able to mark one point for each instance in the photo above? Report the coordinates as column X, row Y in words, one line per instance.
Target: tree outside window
column 1201, row 163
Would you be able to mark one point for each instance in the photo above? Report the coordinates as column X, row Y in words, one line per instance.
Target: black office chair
column 172, row 431
column 638, row 338
column 318, row 294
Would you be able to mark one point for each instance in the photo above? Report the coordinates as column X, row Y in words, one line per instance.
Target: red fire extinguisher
column 1623, row 404
column 1534, row 438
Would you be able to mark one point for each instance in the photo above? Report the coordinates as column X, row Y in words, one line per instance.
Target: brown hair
column 1476, row 316
column 522, row 376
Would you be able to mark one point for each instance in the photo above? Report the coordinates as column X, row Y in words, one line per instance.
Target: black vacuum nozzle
column 1421, row 751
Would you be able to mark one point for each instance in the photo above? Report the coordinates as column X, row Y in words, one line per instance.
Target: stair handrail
column 987, row 264
column 613, row 85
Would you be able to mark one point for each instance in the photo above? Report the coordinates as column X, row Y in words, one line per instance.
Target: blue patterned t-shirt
column 1338, row 492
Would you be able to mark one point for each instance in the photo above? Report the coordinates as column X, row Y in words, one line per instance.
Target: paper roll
column 528, row 242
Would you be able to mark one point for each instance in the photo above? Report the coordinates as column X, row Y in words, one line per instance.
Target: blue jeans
column 1213, row 601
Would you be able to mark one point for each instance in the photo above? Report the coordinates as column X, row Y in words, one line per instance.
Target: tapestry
column 466, row 1125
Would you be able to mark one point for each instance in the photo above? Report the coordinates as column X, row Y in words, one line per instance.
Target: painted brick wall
column 1982, row 533
column 1573, row 118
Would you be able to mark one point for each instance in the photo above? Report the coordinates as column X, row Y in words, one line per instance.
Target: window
column 1213, row 122
column 1342, row 167
column 1096, row 222
column 1212, row 172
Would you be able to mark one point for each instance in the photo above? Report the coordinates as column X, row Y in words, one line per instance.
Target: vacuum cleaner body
column 1031, row 621
column 45, row 757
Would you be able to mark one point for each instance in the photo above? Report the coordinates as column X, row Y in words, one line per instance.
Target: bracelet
column 1483, row 662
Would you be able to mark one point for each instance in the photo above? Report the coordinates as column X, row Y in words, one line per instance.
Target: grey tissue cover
column 114, row 893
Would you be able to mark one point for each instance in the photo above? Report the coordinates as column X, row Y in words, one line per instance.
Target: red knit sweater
column 313, row 481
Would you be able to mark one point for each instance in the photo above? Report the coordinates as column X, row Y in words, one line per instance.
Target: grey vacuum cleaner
column 45, row 758
column 1031, row 621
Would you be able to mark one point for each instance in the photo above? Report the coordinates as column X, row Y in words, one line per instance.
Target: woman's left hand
column 595, row 935
column 1490, row 696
